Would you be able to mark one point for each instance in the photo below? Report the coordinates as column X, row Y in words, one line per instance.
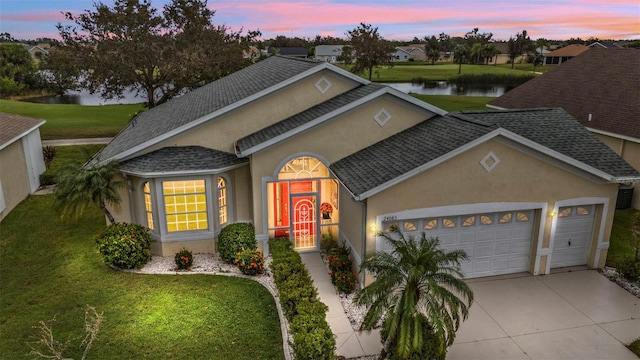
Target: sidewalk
column 349, row 343
column 67, row 142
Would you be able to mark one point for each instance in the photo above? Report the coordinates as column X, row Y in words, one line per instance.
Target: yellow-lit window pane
column 448, row 223
column 185, row 205
column 148, row 205
column 222, row 201
column 486, row 220
column 564, row 212
column 390, row 227
column 409, row 226
column 505, row 218
column 582, row 210
column 469, row 221
column 431, row 224
column 520, row 216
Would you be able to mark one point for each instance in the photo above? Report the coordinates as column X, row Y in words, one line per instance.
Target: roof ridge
column 298, row 59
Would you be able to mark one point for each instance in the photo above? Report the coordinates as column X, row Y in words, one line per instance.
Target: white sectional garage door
column 574, row 230
column 497, row 243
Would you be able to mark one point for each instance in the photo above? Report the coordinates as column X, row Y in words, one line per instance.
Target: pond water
column 447, row 88
column 84, row 97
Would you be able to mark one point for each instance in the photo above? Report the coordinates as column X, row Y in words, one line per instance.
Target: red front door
column 304, row 224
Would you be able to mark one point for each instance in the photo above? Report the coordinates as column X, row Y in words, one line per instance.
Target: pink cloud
column 33, row 16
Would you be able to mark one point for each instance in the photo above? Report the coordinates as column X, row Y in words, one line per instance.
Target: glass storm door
column 304, row 224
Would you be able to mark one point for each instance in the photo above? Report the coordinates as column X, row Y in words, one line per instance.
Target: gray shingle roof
column 181, row 159
column 401, row 153
column 306, row 116
column 205, row 100
column 12, row 126
column 405, row 151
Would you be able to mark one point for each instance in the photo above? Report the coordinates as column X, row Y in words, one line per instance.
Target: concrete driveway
column 570, row 315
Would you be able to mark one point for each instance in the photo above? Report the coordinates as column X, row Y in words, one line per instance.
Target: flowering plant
column 326, row 207
column 184, row 259
column 250, row 262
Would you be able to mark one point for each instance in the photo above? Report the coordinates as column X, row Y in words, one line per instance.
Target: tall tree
column 519, row 45
column 446, row 44
column 370, row 49
column 461, row 54
column 159, row 54
column 542, row 44
column 78, row 188
column 62, row 71
column 17, row 69
column 418, row 293
column 432, row 48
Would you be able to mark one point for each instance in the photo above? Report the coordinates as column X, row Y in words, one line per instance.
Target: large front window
column 185, row 205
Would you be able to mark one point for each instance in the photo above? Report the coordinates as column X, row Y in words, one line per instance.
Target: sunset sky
column 396, row 20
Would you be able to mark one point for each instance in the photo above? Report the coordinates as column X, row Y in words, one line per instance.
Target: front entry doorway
column 303, row 204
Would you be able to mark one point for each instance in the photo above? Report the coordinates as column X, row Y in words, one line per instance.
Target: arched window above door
column 303, row 167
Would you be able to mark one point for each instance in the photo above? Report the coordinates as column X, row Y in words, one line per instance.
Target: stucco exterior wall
column 517, row 178
column 352, row 222
column 630, row 152
column 332, row 141
column 14, row 176
column 223, row 132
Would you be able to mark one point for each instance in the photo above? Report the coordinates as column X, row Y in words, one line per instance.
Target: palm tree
column 460, row 54
column 77, row 188
column 416, row 294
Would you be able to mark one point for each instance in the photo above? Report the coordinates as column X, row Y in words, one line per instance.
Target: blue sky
column 396, row 20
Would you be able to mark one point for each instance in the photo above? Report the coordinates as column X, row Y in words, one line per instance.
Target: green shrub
column 312, row 337
column 328, row 244
column 47, row 178
column 184, row 259
column 345, row 281
column 629, row 269
column 250, row 262
column 635, row 347
column 49, row 153
column 125, row 246
column 234, row 238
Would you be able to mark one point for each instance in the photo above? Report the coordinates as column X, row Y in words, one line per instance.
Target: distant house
column 563, row 54
column 328, row 53
column 21, row 160
column 599, row 88
column 36, row 52
column 400, row 55
column 298, row 52
column 606, row 44
column 416, row 51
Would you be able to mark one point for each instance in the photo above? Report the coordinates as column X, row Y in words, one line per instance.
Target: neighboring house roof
column 548, row 130
column 210, row 101
column 14, row 127
column 569, row 50
column 328, row 50
column 400, row 50
column 177, row 160
column 599, row 88
column 289, row 51
column 502, row 46
column 412, row 48
column 606, row 44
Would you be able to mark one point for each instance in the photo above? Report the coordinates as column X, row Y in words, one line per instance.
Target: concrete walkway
column 68, row 142
column 349, row 343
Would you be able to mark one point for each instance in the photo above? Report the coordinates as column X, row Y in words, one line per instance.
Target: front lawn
column 622, row 242
column 49, row 268
column 74, row 121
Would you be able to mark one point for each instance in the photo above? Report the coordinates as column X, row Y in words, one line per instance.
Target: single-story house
column 36, row 52
column 599, row 88
column 304, row 149
column 416, row 51
column 561, row 55
column 400, row 55
column 21, row 159
column 328, row 53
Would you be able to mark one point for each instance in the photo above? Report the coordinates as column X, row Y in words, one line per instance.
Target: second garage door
column 497, row 243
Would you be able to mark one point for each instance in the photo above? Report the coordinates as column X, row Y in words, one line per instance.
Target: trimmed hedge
column 312, row 337
column 234, row 238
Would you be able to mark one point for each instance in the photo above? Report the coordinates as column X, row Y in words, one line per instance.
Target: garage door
column 497, row 243
column 574, row 230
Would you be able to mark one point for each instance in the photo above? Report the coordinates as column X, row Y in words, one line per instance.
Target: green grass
column 456, row 102
column 635, row 347
column 50, row 268
column 622, row 241
column 404, row 73
column 74, row 121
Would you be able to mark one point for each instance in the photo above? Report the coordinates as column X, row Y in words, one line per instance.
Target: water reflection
column 84, row 97
column 447, row 88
